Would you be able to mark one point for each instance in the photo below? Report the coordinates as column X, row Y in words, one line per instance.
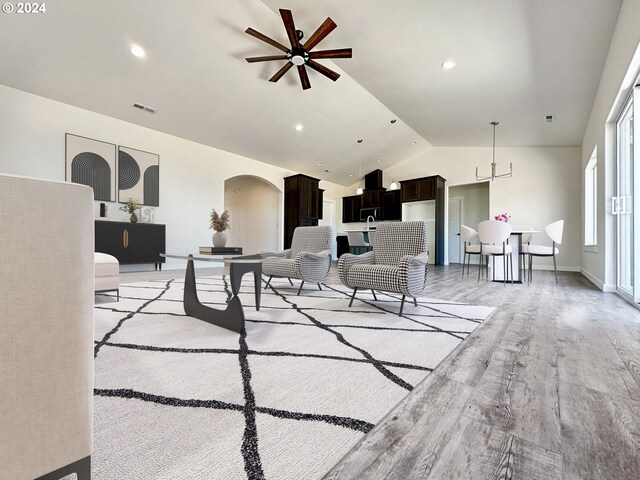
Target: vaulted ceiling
column 517, row 61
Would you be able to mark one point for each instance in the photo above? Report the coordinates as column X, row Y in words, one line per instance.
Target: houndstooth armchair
column 308, row 259
column 397, row 263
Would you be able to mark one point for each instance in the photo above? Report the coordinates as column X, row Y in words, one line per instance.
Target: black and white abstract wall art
column 93, row 163
column 138, row 176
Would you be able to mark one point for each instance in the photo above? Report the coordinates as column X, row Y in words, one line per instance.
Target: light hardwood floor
column 548, row 388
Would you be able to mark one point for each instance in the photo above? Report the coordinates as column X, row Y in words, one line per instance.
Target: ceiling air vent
column 550, row 118
column 144, row 108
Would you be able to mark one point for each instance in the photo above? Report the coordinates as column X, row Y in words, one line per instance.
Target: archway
column 254, row 206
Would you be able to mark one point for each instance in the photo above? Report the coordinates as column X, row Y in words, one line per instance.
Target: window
column 590, row 201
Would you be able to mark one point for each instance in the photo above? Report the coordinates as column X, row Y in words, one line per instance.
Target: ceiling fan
column 300, row 54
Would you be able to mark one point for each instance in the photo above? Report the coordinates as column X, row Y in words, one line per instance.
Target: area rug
column 178, row 398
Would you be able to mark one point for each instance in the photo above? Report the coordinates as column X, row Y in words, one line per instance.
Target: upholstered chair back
column 394, row 240
column 46, row 333
column 467, row 234
column 310, row 239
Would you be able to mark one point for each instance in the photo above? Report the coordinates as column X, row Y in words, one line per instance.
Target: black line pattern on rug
column 119, row 324
column 378, row 366
column 403, row 316
column 346, row 422
column 249, row 449
column 250, row 453
column 260, row 353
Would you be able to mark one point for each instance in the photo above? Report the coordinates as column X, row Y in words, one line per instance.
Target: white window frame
column 591, row 203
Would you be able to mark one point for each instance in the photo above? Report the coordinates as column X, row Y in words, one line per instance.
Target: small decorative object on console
column 219, row 223
column 503, row 217
column 131, row 206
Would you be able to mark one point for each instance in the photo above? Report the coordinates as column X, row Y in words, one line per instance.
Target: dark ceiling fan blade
column 287, row 19
column 304, row 78
column 281, row 72
column 265, row 39
column 323, row 30
column 337, row 53
column 267, row 59
column 323, row 70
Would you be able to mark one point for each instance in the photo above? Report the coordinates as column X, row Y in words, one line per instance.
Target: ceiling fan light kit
column 493, row 175
column 300, row 55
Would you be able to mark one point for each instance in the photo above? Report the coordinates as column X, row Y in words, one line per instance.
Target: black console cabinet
column 131, row 242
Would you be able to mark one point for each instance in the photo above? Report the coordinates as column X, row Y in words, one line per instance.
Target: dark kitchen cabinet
column 419, row 189
column 428, row 188
column 351, row 208
column 302, row 204
column 320, row 203
column 131, row 242
column 372, row 198
column 391, row 205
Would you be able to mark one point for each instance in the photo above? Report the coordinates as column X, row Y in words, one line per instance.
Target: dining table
column 495, row 266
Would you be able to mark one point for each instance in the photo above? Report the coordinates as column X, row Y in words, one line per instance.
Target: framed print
column 93, row 163
column 138, row 176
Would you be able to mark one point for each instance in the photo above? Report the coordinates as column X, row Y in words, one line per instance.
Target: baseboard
column 560, row 269
column 605, row 287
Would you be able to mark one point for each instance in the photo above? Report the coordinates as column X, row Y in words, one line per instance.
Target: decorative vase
column 219, row 239
column 134, row 218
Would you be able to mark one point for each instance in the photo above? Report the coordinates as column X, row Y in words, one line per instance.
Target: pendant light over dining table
column 493, row 175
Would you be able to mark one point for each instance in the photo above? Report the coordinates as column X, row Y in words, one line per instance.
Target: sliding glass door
column 624, row 203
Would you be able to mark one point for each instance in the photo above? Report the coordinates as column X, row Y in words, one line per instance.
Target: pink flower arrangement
column 503, row 217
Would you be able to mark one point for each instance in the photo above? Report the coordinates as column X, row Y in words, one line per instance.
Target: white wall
column 621, row 68
column 475, row 204
column 546, row 186
column 254, row 206
column 192, row 175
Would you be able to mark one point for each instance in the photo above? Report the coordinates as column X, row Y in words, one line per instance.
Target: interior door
column 455, row 220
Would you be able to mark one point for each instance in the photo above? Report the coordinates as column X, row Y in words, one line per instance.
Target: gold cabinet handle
column 125, row 238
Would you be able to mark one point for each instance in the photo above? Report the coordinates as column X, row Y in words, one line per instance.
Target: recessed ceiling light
column 137, row 51
column 320, row 163
column 351, row 174
column 299, row 127
column 379, row 160
column 448, row 65
column 413, row 144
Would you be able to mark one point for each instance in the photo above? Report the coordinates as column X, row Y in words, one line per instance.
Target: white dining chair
column 467, row 235
column 494, row 237
column 523, row 251
column 554, row 232
column 357, row 243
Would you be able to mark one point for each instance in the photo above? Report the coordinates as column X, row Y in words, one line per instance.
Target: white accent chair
column 467, row 235
column 494, row 237
column 308, row 259
column 46, row 338
column 357, row 243
column 397, row 263
column 554, row 232
column 107, row 277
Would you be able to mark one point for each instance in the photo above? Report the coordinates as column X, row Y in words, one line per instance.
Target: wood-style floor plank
column 519, row 394
column 549, row 386
column 403, row 443
column 480, row 452
column 587, row 357
column 600, row 434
